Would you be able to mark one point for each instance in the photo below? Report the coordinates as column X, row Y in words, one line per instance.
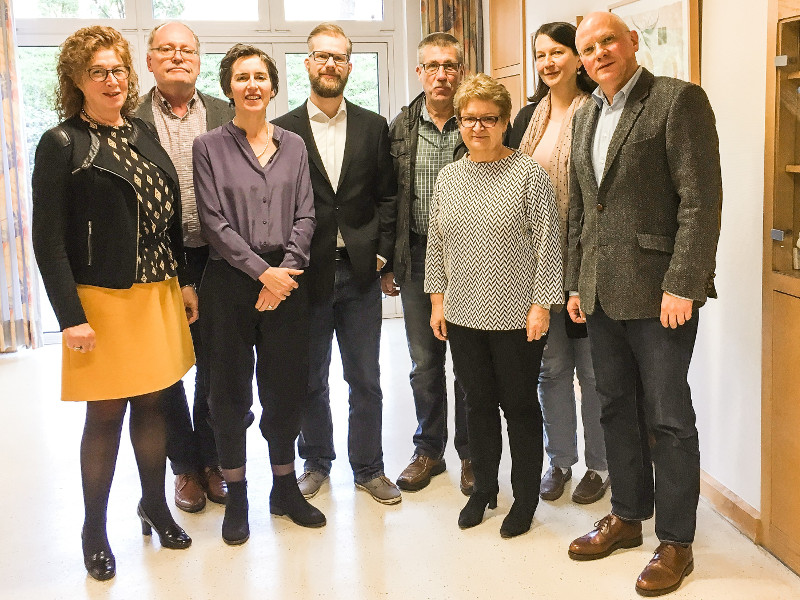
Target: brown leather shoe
column 610, row 533
column 189, row 494
column 590, row 489
column 665, row 572
column 553, row 482
column 419, row 471
column 467, row 477
column 214, row 484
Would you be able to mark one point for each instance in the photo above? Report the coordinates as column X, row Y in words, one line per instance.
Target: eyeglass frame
column 453, row 66
column 331, row 56
column 460, row 121
column 107, row 72
column 185, row 52
column 607, row 41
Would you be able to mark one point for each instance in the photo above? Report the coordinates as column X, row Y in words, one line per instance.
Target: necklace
column 269, row 139
column 97, row 123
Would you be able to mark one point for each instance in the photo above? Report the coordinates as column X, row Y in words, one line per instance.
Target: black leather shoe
column 172, row 536
column 472, row 513
column 100, row 565
column 285, row 499
column 518, row 520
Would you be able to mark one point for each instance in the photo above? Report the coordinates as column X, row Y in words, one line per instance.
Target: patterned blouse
column 154, row 261
column 493, row 242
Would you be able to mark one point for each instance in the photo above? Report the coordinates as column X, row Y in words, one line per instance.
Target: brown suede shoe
column 214, row 484
column 610, row 533
column 665, row 572
column 189, row 494
column 419, row 471
column 467, row 477
column 553, row 483
column 590, row 489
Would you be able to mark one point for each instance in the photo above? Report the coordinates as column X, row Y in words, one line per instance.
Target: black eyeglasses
column 487, row 121
column 169, row 51
column 101, row 74
column 322, row 57
column 432, row 68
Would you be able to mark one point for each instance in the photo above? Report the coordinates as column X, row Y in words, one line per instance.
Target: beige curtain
column 19, row 315
column 462, row 19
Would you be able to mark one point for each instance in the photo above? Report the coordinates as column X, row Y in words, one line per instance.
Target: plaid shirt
column 177, row 135
column 434, row 150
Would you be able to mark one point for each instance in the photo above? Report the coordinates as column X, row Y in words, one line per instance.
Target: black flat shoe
column 172, row 536
column 518, row 520
column 472, row 514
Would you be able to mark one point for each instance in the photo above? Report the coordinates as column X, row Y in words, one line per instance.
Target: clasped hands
column 278, row 285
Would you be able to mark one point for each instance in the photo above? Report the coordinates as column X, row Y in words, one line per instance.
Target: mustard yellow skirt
column 143, row 343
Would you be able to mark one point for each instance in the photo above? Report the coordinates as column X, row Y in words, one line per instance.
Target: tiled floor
column 408, row 551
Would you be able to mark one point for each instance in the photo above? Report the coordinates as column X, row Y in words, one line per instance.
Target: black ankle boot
column 518, row 520
column 287, row 499
column 171, row 536
column 235, row 527
column 472, row 514
column 99, row 561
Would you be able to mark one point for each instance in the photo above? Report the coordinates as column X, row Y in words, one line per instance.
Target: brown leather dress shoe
column 610, row 533
column 467, row 477
column 419, row 471
column 665, row 572
column 553, row 482
column 590, row 489
column 189, row 494
column 214, row 484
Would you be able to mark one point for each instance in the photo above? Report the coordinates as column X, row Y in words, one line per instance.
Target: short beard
column 324, row 90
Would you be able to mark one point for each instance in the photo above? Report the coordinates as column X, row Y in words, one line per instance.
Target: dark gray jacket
column 652, row 223
column 403, row 135
column 218, row 112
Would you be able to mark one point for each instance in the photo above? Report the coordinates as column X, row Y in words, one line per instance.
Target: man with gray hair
column 425, row 137
column 180, row 113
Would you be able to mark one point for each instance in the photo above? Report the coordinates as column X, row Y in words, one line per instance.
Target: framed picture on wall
column 669, row 35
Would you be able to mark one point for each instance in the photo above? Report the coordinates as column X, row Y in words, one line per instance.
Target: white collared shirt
column 607, row 122
column 330, row 134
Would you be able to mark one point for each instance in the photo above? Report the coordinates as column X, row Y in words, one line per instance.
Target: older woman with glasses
column 493, row 268
column 107, row 236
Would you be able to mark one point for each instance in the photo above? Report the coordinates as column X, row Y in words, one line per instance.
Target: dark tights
column 99, row 448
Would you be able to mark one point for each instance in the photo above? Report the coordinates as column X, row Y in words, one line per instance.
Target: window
column 333, row 10
column 70, row 9
column 362, row 86
column 206, row 10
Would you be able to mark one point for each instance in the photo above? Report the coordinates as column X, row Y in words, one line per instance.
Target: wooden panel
column 785, row 489
column 788, row 8
column 507, row 23
column 746, row 518
column 513, row 84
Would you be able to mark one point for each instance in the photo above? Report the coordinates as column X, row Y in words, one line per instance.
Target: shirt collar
column 164, row 104
column 316, row 114
column 621, row 96
column 426, row 116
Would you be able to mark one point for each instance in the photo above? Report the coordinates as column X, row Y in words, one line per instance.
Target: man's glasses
column 101, row 74
column 169, row 51
column 432, row 68
column 322, row 57
column 487, row 121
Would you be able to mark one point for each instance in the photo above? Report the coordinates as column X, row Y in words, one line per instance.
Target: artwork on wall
column 669, row 35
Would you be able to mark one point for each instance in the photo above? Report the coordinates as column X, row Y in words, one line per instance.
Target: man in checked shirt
column 180, row 113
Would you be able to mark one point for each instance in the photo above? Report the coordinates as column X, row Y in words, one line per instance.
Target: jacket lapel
column 353, row 139
column 304, row 131
column 633, row 106
column 589, row 118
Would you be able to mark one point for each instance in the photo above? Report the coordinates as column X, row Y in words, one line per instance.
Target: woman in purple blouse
column 256, row 208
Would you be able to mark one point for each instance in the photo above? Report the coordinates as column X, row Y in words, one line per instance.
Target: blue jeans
column 428, row 382
column 354, row 313
column 641, row 368
column 562, row 357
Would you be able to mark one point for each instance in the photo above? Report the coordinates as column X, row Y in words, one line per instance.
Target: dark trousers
column 354, row 314
column 500, row 369
column 428, row 382
column 190, row 439
column 232, row 329
column 641, row 369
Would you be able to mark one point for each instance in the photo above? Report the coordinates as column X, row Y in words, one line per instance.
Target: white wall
column 726, row 370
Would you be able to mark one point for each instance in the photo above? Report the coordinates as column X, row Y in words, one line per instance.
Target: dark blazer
column 85, row 225
column 218, row 112
column 652, row 223
column 364, row 207
column 514, row 133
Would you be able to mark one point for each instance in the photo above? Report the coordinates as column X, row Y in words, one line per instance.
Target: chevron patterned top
column 493, row 242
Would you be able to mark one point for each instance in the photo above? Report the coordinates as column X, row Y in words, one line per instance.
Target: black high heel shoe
column 172, row 536
column 472, row 514
column 100, row 565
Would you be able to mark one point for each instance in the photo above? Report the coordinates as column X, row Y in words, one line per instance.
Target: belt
column 342, row 254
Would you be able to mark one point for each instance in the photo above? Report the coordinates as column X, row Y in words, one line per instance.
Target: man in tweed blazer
column 645, row 189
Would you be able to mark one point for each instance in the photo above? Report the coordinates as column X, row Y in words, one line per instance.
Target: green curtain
column 19, row 303
column 463, row 19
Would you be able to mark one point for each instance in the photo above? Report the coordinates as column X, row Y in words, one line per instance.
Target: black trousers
column 190, row 439
column 232, row 329
column 500, row 369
